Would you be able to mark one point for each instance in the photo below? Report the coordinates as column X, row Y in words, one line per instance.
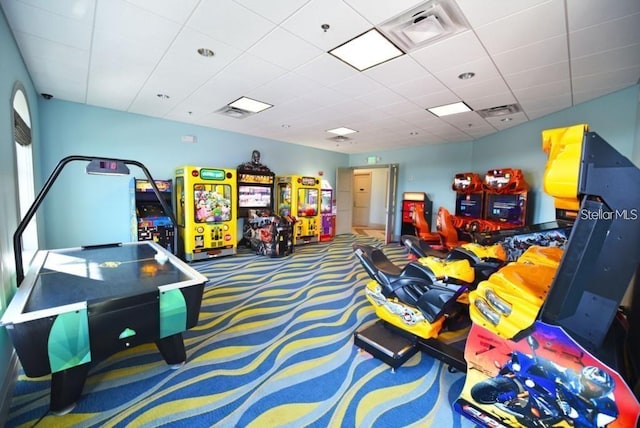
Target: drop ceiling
column 140, row 56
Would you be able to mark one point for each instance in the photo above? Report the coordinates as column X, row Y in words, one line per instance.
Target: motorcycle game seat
column 414, row 284
column 420, row 248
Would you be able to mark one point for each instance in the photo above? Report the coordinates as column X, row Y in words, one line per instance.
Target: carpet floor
column 273, row 348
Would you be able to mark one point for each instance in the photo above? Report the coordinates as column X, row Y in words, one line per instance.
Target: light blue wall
column 430, row 169
column 83, row 210
column 12, row 70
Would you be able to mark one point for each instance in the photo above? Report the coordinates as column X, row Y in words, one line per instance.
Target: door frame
column 391, row 202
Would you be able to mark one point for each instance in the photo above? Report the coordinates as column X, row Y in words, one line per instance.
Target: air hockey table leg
column 66, row 388
column 172, row 350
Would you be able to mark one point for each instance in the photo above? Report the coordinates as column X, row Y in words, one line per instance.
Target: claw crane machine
column 205, row 211
column 299, row 197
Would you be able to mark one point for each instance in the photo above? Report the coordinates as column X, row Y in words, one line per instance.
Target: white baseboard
column 6, row 388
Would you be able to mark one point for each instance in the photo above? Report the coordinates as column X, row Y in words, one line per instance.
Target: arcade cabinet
column 205, row 202
column 255, row 188
column 409, row 202
column 327, row 213
column 148, row 220
column 469, row 200
column 575, row 363
column 299, row 197
column 506, row 193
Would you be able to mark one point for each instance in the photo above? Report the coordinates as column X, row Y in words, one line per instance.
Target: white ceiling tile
column 608, row 35
column 524, row 28
column 436, row 99
column 399, row 108
column 481, row 89
column 230, row 22
column 59, row 22
column 609, row 81
column 549, row 51
column 396, row 71
column 175, row 11
column 486, row 11
column 585, row 13
column 416, row 90
column 326, row 70
column 459, row 49
column 356, row 85
column 252, row 69
column 344, row 22
column 275, row 11
column 542, row 92
column 605, row 61
column 381, row 97
column 324, row 96
column 284, row 49
column 538, row 76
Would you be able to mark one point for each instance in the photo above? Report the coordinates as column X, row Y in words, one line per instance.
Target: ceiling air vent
column 424, row 24
column 499, row 111
column 339, row 139
column 236, row 113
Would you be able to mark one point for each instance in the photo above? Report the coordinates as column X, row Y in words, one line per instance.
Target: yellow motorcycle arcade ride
column 420, row 297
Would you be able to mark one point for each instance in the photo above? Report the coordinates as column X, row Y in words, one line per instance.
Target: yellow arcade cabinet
column 299, row 197
column 205, row 211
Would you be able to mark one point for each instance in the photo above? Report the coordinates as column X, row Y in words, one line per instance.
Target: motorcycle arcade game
column 265, row 233
column 549, row 344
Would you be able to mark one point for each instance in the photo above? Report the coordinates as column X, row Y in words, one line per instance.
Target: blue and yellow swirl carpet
column 273, row 347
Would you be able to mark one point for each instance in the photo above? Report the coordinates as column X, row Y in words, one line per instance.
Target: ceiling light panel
column 342, row 131
column 249, row 104
column 448, row 109
column 367, row 50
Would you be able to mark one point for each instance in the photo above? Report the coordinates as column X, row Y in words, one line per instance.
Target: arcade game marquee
column 550, row 345
column 299, row 197
column 205, row 204
column 77, row 306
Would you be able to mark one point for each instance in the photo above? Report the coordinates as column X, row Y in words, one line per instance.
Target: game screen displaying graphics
column 469, row 205
column 308, row 202
column 212, row 203
column 505, row 208
column 254, row 196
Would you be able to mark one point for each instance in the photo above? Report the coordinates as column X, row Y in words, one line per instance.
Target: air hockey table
column 79, row 305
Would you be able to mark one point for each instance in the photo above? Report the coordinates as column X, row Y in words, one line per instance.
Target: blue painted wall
column 84, row 210
column 431, row 168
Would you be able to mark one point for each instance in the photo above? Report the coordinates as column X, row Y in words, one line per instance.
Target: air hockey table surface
column 79, row 305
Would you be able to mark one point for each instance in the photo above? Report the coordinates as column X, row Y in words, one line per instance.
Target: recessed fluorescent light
column 448, row 109
column 342, row 131
column 367, row 50
column 249, row 104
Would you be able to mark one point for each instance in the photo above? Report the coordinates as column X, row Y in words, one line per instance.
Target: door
column 361, row 198
column 344, row 200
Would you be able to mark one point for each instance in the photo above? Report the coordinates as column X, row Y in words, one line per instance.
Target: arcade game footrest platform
column 386, row 343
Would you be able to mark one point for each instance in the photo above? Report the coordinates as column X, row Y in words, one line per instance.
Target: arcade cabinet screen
column 149, row 209
column 469, row 205
column 213, row 203
column 307, row 202
column 254, row 196
column 505, row 208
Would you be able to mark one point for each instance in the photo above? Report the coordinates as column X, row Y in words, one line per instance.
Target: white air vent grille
column 499, row 111
column 339, row 139
column 424, row 24
column 236, row 113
